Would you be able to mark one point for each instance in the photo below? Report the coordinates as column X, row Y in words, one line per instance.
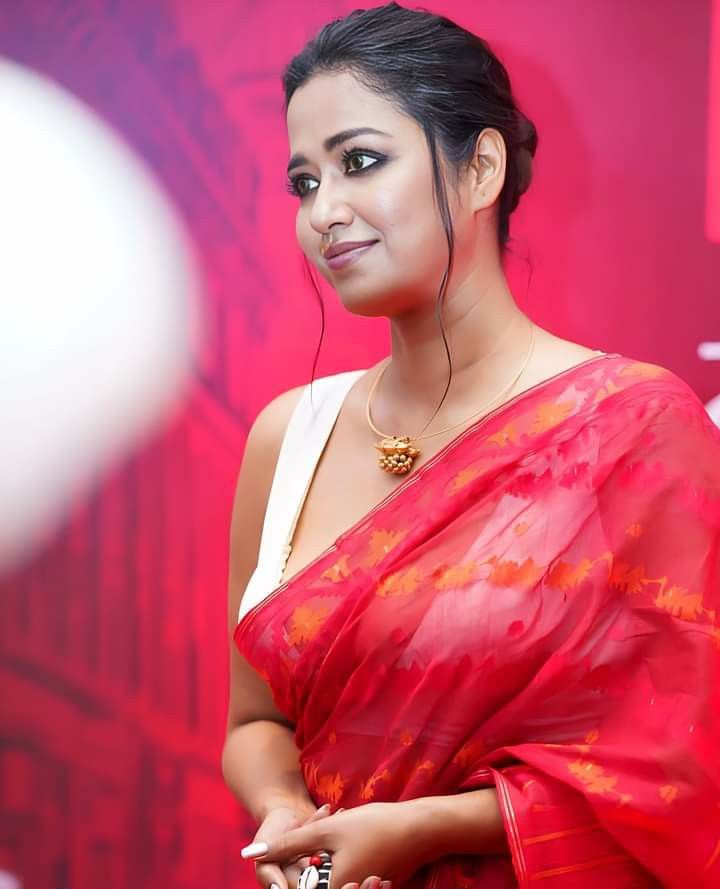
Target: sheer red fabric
column 534, row 609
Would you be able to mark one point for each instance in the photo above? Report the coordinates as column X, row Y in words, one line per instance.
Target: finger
column 301, row 840
column 296, row 864
column 267, row 874
column 292, row 874
column 318, row 813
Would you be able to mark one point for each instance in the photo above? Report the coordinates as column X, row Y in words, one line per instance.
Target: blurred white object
column 99, row 304
column 709, row 351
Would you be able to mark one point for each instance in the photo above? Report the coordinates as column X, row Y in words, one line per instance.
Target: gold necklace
column 398, row 452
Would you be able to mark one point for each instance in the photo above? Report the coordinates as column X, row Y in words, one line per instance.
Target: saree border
column 512, row 830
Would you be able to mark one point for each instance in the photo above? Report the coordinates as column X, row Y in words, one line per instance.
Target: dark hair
column 447, row 79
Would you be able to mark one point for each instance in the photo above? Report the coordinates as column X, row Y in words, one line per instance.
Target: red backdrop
column 113, row 660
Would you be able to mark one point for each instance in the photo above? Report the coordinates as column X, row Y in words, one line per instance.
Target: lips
column 344, row 246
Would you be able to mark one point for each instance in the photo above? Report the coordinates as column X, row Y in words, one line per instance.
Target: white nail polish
column 254, row 849
column 274, row 886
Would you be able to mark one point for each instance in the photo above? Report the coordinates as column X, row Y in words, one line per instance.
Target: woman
column 492, row 651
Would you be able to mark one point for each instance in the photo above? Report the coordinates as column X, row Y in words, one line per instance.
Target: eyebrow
column 333, row 141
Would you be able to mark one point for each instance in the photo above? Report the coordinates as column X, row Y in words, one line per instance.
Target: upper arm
column 249, row 696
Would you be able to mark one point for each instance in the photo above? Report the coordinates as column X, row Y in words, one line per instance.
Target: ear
column 487, row 169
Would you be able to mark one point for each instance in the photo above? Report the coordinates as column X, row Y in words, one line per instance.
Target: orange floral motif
column 330, row 787
column 627, row 579
column 464, row 477
column 456, row 575
column 565, row 575
column 635, row 530
column 469, row 753
column 406, row 739
column 332, row 737
column 380, row 544
column 508, row 434
column 337, row 572
column 310, row 772
column 550, row 414
column 609, row 389
column 367, row 789
column 594, row 778
column 509, row 573
column 680, row 603
column 305, row 621
column 643, row 369
column 521, row 528
column 590, row 738
column 400, row 583
column 668, row 792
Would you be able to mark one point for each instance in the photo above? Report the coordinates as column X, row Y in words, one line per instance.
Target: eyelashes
column 293, row 183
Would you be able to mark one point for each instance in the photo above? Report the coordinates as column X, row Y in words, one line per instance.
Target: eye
column 355, row 154
column 294, row 184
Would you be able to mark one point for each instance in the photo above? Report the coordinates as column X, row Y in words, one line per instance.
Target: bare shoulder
column 553, row 354
column 271, row 422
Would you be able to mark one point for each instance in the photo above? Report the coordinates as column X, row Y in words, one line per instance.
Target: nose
column 329, row 207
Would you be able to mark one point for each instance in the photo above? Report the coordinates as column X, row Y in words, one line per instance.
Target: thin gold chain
column 455, row 425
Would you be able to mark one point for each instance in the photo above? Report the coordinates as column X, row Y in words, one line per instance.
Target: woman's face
column 372, row 186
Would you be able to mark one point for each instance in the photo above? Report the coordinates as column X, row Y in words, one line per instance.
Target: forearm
column 260, row 766
column 468, row 823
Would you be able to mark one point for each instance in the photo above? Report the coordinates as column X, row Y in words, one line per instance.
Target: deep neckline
column 408, row 480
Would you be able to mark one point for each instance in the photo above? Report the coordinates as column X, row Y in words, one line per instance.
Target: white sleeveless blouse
column 302, row 446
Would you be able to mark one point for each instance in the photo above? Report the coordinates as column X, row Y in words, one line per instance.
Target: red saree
column 534, row 609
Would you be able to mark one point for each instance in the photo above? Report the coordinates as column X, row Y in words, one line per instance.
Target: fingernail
column 386, row 884
column 339, row 810
column 254, row 850
column 324, row 807
column 274, row 886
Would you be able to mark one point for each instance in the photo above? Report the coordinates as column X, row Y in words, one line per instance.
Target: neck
column 488, row 338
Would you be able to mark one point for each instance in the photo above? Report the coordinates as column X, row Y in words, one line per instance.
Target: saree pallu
column 534, row 609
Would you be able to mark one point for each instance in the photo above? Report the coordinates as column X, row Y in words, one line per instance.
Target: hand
column 276, row 823
column 370, row 840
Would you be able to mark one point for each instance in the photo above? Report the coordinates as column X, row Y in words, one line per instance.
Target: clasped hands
column 370, row 844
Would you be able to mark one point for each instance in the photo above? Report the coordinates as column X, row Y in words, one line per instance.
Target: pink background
column 113, row 659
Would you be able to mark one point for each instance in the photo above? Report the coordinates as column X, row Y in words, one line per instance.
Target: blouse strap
column 304, row 440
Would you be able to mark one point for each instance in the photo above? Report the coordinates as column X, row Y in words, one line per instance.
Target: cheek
column 406, row 216
column 307, row 237
column 301, row 232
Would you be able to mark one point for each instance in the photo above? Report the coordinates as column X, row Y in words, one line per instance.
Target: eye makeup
column 293, row 183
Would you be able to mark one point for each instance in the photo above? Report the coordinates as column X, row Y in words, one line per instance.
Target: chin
column 368, row 307
column 378, row 305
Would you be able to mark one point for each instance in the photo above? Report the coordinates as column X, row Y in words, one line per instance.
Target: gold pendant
column 397, row 454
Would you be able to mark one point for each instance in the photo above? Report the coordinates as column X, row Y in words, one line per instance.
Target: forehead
column 329, row 103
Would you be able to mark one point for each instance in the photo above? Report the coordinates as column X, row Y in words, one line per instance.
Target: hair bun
column 524, row 160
